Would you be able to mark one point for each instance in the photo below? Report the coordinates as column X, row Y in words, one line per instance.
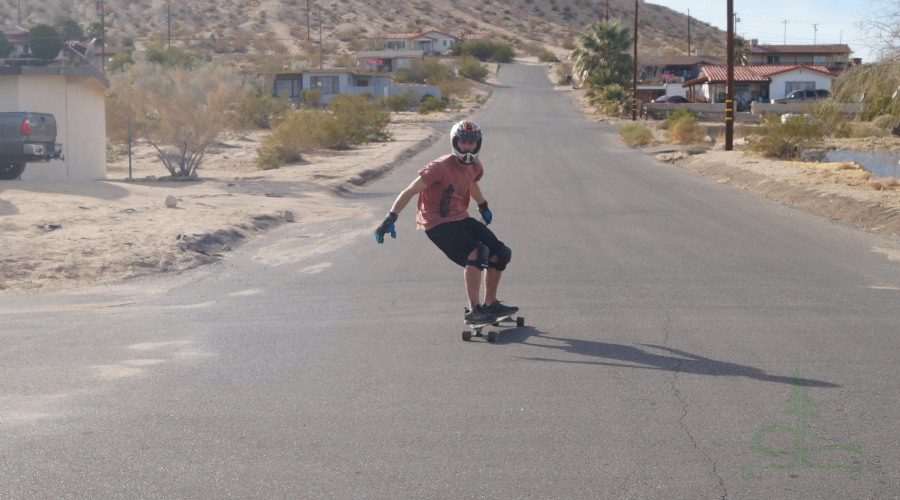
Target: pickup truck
column 26, row 138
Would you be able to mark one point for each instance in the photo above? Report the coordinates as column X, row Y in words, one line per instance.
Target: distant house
column 77, row 98
column 758, row 83
column 18, row 38
column 387, row 61
column 677, row 67
column 289, row 84
column 835, row 57
column 430, row 42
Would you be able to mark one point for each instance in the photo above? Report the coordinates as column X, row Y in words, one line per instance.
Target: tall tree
column 45, row 41
column 69, row 29
column 602, row 57
column 5, row 46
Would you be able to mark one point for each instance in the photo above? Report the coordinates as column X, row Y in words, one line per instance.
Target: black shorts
column 457, row 239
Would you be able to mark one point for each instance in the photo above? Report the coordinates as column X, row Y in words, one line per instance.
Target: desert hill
column 279, row 29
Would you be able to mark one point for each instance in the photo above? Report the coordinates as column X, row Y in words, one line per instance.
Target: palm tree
column 740, row 51
column 602, row 57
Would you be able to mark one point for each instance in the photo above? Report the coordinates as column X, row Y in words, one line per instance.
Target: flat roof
column 54, row 71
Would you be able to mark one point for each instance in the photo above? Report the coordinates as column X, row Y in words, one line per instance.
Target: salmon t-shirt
column 446, row 198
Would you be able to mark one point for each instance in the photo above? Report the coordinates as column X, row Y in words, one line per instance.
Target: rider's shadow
column 655, row 357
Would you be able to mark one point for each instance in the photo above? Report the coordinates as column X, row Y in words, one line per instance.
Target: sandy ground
column 59, row 235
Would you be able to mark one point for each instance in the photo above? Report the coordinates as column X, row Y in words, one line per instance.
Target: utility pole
column 19, row 22
column 784, row 42
column 607, row 10
column 321, row 52
column 689, row 32
column 307, row 20
column 815, row 30
column 634, row 70
column 102, row 38
column 169, row 23
column 729, row 92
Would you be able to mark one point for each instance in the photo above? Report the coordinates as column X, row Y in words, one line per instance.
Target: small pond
column 883, row 164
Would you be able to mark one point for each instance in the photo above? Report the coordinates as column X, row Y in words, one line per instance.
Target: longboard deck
column 475, row 330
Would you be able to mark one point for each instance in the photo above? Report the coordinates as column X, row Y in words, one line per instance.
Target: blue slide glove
column 485, row 213
column 387, row 226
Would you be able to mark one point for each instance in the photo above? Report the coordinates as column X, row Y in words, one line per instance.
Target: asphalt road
column 684, row 340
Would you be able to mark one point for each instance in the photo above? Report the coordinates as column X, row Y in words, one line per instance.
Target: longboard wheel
column 492, row 336
column 467, row 335
column 520, row 321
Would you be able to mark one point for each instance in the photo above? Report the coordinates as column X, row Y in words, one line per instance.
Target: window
column 288, row 87
column 327, row 84
column 792, row 86
column 773, row 59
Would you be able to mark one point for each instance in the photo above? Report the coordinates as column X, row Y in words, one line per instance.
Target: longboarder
column 444, row 187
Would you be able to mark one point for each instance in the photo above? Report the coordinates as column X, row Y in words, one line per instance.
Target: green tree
column 602, row 56
column 5, row 46
column 69, row 29
column 169, row 57
column 94, row 30
column 487, row 50
column 120, row 62
column 45, row 41
column 740, row 51
column 469, row 67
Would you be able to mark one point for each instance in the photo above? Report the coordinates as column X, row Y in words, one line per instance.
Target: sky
column 836, row 21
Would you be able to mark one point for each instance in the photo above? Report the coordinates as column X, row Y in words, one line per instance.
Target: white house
column 18, row 38
column 430, row 42
column 799, row 78
column 76, row 98
column 757, row 83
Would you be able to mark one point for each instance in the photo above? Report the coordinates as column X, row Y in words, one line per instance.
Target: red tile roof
column 760, row 73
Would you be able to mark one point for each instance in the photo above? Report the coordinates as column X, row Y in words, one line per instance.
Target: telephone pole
column 784, row 42
column 634, row 70
column 689, row 32
column 321, row 51
column 169, row 23
column 729, row 92
column 307, row 20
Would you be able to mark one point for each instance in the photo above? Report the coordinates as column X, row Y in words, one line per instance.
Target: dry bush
column 301, row 132
column 786, row 140
column 682, row 127
column 635, row 134
column 180, row 112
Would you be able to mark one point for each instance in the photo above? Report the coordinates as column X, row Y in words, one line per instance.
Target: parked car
column 803, row 95
column 26, row 138
column 672, row 99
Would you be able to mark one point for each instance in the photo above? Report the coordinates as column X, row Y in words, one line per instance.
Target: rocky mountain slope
column 291, row 27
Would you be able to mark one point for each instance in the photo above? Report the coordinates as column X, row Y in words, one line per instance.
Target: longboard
column 475, row 330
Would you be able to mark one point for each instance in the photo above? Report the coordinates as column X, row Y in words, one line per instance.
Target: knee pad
column 481, row 260
column 503, row 258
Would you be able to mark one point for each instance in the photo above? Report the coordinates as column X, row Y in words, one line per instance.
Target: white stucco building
column 76, row 98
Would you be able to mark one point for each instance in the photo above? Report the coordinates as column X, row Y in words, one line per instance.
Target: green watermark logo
column 802, row 407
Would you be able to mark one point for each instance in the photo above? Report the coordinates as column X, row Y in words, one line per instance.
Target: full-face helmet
column 465, row 130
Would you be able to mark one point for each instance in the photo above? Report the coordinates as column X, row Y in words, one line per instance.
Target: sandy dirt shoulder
column 63, row 235
column 840, row 191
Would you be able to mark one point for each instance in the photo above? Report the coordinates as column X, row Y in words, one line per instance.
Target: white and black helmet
column 465, row 130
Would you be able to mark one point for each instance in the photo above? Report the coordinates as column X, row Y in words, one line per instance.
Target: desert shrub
column 611, row 100
column 420, row 72
column 367, row 95
column 459, row 87
column 301, row 132
column 120, row 62
column 488, row 50
column 179, row 112
column 547, row 56
column 169, row 57
column 874, row 83
column 682, row 127
column 884, row 121
column 397, row 102
column 680, row 114
column 259, row 109
column 787, row 140
column 635, row 134
column 355, row 121
column 857, row 130
column 470, row 67
column 432, row 104
column 311, row 97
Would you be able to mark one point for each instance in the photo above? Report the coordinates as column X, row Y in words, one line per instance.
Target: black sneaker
column 479, row 317
column 499, row 310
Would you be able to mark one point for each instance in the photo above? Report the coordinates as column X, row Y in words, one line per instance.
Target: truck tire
column 11, row 171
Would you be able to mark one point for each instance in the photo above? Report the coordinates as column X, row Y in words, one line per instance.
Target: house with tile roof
column 430, row 42
column 665, row 68
column 834, row 57
column 758, row 83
